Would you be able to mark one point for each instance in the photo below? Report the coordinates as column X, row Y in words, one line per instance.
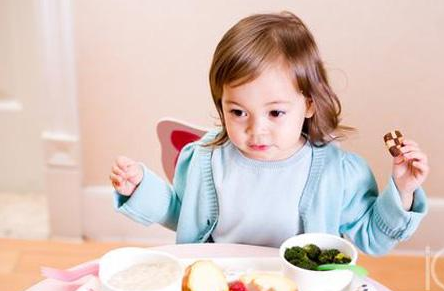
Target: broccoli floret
column 294, row 253
column 313, row 251
column 298, row 256
column 327, row 256
column 304, row 263
column 341, row 258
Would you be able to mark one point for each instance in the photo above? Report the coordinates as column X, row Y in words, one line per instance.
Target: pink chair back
column 173, row 136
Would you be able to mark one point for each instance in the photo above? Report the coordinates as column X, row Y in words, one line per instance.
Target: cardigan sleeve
column 374, row 221
column 154, row 200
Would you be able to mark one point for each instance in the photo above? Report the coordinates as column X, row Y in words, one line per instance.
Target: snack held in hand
column 394, row 141
column 204, row 275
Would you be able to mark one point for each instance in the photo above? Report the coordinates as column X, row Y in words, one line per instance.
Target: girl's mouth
column 259, row 147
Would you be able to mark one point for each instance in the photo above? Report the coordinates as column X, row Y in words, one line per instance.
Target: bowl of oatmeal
column 139, row 269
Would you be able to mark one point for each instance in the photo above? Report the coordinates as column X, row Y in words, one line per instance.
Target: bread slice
column 263, row 281
column 204, row 275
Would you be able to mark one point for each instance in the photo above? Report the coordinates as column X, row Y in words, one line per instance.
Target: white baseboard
column 102, row 222
column 64, row 183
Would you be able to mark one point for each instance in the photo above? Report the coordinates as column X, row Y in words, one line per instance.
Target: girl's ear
column 309, row 112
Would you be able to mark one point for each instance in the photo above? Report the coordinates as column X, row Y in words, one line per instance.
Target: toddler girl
column 272, row 170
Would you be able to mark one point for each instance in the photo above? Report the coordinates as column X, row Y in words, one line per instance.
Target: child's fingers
column 117, row 171
column 123, row 162
column 116, row 185
column 422, row 167
column 409, row 148
column 398, row 160
column 409, row 142
column 133, row 170
column 134, row 174
column 416, row 155
column 411, row 151
column 115, row 179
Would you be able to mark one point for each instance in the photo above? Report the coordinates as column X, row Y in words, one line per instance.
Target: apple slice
column 263, row 281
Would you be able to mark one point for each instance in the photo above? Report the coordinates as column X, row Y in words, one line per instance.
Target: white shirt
column 258, row 200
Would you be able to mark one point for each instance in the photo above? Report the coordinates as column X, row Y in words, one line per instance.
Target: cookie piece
column 394, row 141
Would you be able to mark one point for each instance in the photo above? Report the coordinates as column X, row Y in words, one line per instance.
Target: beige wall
column 139, row 61
column 24, row 107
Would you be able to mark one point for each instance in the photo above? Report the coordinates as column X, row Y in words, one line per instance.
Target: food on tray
column 204, row 275
column 237, row 286
column 145, row 276
column 311, row 256
column 394, row 141
column 312, row 250
column 263, row 281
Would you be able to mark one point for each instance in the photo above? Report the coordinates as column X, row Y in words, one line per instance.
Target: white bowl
column 123, row 258
column 308, row 280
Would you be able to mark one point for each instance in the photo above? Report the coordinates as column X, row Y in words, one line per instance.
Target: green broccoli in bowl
column 312, row 250
column 298, row 256
column 327, row 256
column 310, row 256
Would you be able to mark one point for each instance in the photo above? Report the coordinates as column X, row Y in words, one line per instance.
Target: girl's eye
column 276, row 113
column 238, row 112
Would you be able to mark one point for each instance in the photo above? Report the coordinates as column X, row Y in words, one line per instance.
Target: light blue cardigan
column 340, row 197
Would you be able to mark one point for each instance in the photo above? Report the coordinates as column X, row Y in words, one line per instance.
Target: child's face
column 264, row 117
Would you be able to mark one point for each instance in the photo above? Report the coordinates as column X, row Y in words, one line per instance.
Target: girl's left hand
column 410, row 169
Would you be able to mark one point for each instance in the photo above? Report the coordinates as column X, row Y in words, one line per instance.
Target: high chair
column 173, row 136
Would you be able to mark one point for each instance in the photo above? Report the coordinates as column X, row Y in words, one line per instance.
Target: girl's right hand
column 125, row 175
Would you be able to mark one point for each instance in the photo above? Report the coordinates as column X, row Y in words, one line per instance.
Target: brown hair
column 260, row 39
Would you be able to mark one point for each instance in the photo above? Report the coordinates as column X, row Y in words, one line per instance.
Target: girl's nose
column 257, row 126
